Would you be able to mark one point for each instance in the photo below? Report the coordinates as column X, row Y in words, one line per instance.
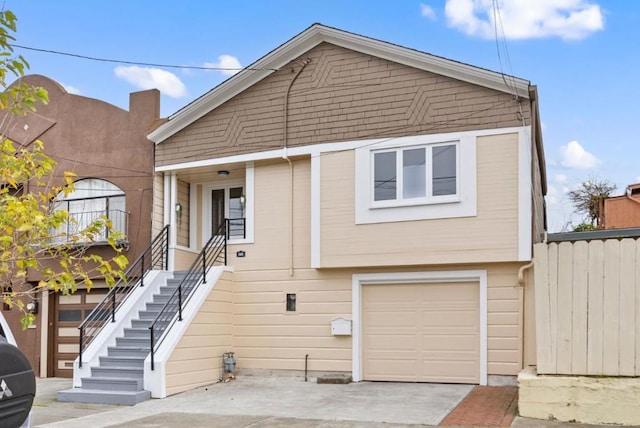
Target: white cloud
column 575, row 156
column 150, row 78
column 560, row 178
column 526, row 19
column 427, row 11
column 229, row 63
column 71, row 89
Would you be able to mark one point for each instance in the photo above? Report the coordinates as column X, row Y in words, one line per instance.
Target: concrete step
column 135, row 362
column 132, row 342
column 94, row 396
column 157, row 307
column 122, row 351
column 141, row 323
column 161, row 298
column 112, row 384
column 147, row 315
column 141, row 333
column 118, row 372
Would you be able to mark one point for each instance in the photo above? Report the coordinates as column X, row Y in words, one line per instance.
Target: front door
column 228, row 203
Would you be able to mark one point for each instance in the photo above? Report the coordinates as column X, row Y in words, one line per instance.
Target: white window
column 415, row 175
column 416, row 178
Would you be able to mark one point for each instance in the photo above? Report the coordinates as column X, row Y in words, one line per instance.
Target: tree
column 588, row 197
column 31, row 237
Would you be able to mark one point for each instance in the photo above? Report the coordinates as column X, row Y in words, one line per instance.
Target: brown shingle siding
column 341, row 95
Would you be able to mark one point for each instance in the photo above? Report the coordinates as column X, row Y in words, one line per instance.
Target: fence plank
column 543, row 337
column 595, row 308
column 565, row 307
column 580, row 302
column 611, row 350
column 553, row 307
column 627, row 307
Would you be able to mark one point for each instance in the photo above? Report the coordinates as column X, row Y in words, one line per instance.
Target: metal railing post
column 113, row 305
column 180, row 302
column 81, row 340
column 142, row 270
column 152, row 346
column 166, row 248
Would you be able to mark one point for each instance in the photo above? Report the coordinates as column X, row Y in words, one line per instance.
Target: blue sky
column 582, row 55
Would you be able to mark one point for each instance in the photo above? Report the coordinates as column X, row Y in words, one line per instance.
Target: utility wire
column 146, row 64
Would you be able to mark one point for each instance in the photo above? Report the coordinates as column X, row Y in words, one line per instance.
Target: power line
column 146, row 64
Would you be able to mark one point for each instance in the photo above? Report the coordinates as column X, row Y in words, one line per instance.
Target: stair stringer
column 155, row 380
column 107, row 336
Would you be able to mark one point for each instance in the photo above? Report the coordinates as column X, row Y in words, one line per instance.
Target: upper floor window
column 412, row 175
column 91, row 200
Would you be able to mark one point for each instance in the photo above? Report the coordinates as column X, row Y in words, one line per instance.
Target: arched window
column 91, row 199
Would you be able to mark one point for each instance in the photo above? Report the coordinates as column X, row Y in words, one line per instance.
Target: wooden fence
column 587, row 300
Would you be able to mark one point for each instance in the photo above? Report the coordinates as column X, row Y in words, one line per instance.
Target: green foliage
column 584, row 227
column 30, row 222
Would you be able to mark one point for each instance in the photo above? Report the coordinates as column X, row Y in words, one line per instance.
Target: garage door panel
column 421, row 332
column 449, row 371
column 395, row 342
column 387, row 319
column 448, row 342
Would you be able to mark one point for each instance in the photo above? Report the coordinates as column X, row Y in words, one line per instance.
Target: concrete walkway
column 268, row 402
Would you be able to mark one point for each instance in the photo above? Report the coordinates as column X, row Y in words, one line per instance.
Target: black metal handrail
column 236, row 227
column 214, row 251
column 155, row 256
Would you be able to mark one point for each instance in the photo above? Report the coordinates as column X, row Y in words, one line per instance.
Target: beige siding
column 272, row 248
column 338, row 97
column 158, row 204
column 184, row 259
column 489, row 237
column 183, row 218
column 587, row 307
column 197, row 359
column 267, row 337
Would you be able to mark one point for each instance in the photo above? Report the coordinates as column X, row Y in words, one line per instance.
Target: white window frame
column 429, row 197
column 462, row 204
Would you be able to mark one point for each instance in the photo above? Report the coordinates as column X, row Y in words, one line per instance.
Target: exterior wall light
column 223, row 173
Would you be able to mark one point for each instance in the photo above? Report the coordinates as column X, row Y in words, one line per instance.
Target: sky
column 583, row 55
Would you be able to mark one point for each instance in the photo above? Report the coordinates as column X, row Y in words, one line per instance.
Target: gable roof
column 310, row 38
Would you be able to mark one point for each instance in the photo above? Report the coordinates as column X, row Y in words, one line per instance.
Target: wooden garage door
column 421, row 332
column 69, row 312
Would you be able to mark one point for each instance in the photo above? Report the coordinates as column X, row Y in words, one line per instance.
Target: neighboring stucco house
column 377, row 203
column 106, row 147
column 620, row 212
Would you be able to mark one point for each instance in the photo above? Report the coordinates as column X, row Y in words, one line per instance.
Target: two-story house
column 361, row 180
column 374, row 205
column 106, row 147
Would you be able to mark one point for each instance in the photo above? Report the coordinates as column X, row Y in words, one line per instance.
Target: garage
column 422, row 332
column 68, row 314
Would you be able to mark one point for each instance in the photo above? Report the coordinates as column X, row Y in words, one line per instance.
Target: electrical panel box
column 341, row 327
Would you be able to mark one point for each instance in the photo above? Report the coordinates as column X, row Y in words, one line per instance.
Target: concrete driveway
column 263, row 402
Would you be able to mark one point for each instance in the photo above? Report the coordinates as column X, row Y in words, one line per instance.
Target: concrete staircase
column 119, row 378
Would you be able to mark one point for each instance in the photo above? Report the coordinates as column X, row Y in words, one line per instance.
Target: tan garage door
column 421, row 332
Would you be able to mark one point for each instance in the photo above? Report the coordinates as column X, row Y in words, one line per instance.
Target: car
column 17, row 382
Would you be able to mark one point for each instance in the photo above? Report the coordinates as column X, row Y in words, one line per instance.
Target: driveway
column 264, row 402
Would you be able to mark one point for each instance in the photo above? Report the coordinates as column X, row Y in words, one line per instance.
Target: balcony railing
column 79, row 221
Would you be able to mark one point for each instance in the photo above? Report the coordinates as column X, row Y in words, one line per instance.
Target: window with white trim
column 415, row 175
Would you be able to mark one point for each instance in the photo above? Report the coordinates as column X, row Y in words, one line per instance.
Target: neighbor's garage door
column 69, row 313
column 421, row 332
